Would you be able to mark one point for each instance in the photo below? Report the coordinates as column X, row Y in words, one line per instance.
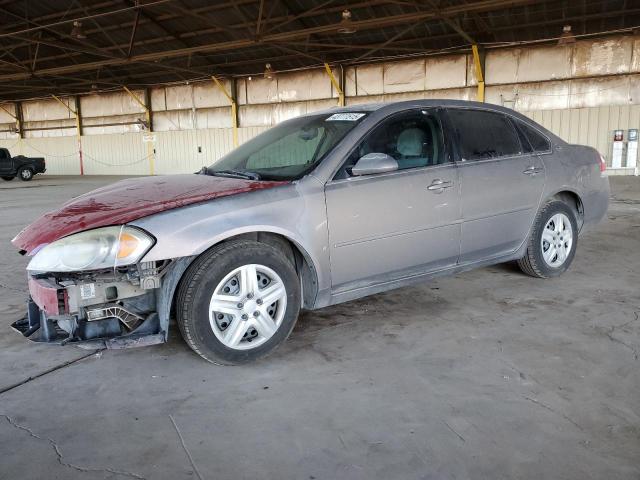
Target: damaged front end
column 115, row 308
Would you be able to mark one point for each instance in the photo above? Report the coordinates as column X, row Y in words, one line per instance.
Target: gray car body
column 366, row 234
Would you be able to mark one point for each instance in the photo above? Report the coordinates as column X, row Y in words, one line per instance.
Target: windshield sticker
column 345, row 117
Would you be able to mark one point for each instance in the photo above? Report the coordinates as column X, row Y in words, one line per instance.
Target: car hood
column 129, row 200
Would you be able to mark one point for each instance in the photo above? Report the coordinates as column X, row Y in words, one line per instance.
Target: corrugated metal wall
column 185, row 151
column 589, row 126
column 582, row 92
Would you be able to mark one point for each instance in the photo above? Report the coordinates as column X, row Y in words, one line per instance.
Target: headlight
column 107, row 247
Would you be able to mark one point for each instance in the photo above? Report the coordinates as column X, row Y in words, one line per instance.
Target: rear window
column 484, row 135
column 538, row 142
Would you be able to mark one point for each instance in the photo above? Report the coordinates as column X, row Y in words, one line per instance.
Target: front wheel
column 238, row 302
column 553, row 242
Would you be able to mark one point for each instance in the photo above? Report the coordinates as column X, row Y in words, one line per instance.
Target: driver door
column 388, row 226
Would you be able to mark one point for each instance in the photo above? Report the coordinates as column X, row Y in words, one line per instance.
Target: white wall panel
column 119, row 154
column 179, row 97
column 262, row 90
column 207, row 94
column 544, row 63
column 304, row 85
column 407, row 76
column 602, row 57
column 446, row 72
column 112, row 103
column 37, row 110
column 5, row 118
column 187, row 151
column 370, row 80
column 501, row 66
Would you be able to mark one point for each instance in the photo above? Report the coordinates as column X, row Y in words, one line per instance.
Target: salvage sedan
column 321, row 209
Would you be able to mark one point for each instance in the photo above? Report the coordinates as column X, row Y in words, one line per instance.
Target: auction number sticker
column 87, row 290
column 345, row 117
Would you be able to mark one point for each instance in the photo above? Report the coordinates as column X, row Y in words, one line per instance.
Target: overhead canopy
column 73, row 46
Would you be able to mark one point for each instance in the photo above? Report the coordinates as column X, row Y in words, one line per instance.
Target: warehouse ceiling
column 76, row 46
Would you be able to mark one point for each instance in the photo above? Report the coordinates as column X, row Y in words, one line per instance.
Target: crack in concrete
column 184, row 446
column 624, row 344
column 547, row 407
column 60, row 457
column 451, row 428
column 48, row 371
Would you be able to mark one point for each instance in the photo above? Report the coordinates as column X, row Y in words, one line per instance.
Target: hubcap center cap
column 249, row 307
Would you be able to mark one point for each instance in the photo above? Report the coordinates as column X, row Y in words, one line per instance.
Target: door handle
column 438, row 186
column 532, row 170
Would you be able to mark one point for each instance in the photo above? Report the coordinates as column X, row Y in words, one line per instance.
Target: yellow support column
column 147, row 112
column 479, row 64
column 76, row 114
column 335, row 84
column 234, row 109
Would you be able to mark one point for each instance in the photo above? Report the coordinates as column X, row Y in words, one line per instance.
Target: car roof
column 370, row 107
column 433, row 103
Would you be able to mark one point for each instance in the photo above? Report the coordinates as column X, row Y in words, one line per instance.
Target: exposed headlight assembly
column 101, row 248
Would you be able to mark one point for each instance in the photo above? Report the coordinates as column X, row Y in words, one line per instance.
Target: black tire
column 8, row 179
column 533, row 263
column 25, row 174
column 200, row 281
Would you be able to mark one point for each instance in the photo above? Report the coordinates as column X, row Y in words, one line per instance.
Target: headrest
column 410, row 142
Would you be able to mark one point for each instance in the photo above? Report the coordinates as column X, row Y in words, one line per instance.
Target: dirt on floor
column 489, row 374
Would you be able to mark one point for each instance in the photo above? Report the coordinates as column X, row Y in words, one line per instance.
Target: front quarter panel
column 296, row 211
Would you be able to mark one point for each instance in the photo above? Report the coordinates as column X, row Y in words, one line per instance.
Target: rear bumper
column 596, row 203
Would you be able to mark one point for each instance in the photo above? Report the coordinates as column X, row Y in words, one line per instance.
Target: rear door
column 393, row 225
column 501, row 183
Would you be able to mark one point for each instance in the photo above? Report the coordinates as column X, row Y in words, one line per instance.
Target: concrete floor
column 489, row 374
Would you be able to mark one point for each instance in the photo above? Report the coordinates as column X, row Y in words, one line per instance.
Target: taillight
column 603, row 164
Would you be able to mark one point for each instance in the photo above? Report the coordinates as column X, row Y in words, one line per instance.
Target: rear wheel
column 238, row 302
column 8, row 179
column 25, row 174
column 553, row 242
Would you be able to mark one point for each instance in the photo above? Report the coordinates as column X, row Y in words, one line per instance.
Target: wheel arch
column 305, row 266
column 573, row 199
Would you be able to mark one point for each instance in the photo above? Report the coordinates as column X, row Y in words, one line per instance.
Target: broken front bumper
column 110, row 312
column 117, row 309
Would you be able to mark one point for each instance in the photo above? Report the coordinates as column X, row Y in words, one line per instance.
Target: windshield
column 289, row 150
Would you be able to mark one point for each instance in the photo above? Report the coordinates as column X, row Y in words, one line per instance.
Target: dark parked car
column 23, row 167
column 319, row 210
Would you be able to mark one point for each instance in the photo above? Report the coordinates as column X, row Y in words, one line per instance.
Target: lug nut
column 259, row 301
column 245, row 316
column 240, row 305
column 256, row 314
column 249, row 296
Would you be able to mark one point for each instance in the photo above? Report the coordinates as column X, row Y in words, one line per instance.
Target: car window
column 292, row 149
column 483, row 134
column 538, row 141
column 413, row 139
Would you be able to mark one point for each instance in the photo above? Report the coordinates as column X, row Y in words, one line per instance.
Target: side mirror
column 374, row 163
